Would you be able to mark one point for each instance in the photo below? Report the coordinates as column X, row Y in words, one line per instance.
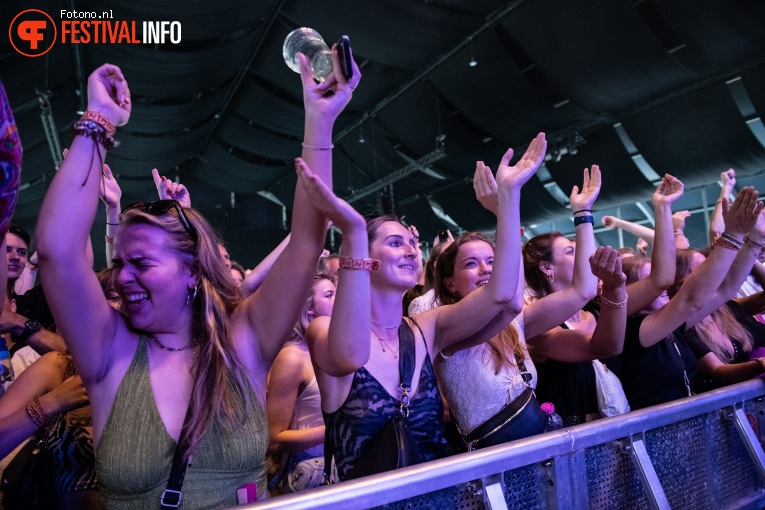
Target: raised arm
column 573, row 346
column 458, row 321
column 553, row 309
column 678, row 225
column 716, row 221
column 337, row 346
column 640, row 231
column 662, row 274
column 692, row 302
column 110, row 193
column 253, row 280
column 63, row 232
column 270, row 313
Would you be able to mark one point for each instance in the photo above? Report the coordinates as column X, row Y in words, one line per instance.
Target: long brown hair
column 504, row 348
column 536, row 251
column 221, row 390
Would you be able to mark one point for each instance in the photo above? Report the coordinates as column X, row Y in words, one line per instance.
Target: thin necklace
column 193, row 343
column 386, row 327
column 384, row 343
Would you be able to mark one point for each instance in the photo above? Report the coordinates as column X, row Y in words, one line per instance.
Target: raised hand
column 330, row 97
column 678, row 220
column 609, row 221
column 669, row 191
column 742, row 216
column 642, row 247
column 109, row 191
column 584, row 199
column 109, row 95
column 757, row 234
column 607, row 266
column 449, row 238
column 486, row 187
column 337, row 210
column 728, row 179
column 516, row 176
column 171, row 190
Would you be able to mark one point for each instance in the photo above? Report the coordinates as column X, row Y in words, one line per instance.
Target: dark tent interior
column 640, row 87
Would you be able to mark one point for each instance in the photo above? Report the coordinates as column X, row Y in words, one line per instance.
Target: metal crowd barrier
column 702, row 452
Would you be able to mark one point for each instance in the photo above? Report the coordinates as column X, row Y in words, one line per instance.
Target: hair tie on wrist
column 582, row 210
column 578, row 220
column 317, row 148
column 113, row 224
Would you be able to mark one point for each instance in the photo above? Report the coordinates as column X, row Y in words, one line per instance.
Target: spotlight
column 472, row 62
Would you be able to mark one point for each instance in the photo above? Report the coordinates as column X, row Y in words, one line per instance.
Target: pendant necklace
column 384, row 343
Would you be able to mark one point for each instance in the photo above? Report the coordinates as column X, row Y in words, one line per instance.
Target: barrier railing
column 700, row 452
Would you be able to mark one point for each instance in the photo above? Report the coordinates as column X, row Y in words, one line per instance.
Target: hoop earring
column 192, row 295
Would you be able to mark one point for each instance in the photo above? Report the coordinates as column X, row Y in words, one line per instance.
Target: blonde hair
column 506, row 349
column 298, row 332
column 722, row 322
column 221, row 390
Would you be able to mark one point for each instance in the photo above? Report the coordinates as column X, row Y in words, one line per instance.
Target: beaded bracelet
column 611, row 304
column 95, row 131
column 351, row 263
column 578, row 220
column 314, row 147
column 37, row 414
column 725, row 244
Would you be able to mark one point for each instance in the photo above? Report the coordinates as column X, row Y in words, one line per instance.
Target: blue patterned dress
column 368, row 408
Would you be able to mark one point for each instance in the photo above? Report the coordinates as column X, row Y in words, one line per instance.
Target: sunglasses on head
column 159, row 208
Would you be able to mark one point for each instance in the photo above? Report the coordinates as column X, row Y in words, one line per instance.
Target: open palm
column 518, row 175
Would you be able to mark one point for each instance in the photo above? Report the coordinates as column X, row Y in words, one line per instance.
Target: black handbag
column 394, row 446
column 27, row 481
column 523, row 417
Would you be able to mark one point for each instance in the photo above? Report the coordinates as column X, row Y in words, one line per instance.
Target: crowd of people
column 175, row 371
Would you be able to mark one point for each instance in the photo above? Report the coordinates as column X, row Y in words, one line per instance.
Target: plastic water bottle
column 554, row 421
column 311, row 44
column 6, row 369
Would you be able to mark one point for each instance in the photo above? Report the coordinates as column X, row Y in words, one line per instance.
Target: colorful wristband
column 367, row 264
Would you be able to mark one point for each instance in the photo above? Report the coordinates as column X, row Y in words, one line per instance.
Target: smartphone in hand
column 344, row 53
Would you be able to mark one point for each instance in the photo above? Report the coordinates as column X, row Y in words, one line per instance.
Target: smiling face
column 396, row 249
column 472, row 268
column 152, row 280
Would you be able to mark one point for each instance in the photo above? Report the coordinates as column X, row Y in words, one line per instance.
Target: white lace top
column 472, row 389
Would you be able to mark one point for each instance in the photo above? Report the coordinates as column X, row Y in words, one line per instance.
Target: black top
column 703, row 382
column 571, row 386
column 655, row 375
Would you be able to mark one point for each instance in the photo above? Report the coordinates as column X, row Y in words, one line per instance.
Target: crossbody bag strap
column 329, row 452
column 405, row 365
column 172, row 495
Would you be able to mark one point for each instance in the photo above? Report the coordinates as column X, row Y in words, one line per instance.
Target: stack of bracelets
column 96, row 126
column 728, row 241
column 578, row 220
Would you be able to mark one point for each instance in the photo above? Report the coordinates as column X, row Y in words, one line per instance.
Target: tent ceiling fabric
column 223, row 113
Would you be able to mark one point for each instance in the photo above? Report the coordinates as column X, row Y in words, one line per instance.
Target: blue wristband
column 578, row 220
